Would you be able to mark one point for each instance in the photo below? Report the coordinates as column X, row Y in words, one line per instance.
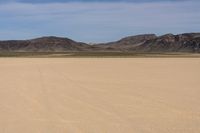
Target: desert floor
column 100, row 95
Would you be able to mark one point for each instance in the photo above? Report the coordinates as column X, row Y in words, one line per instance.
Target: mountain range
column 187, row 42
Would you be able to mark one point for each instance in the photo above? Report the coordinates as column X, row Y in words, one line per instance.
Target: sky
column 96, row 20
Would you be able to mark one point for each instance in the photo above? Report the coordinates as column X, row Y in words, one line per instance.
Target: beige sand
column 99, row 95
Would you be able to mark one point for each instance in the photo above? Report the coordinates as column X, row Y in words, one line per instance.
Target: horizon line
column 65, row 37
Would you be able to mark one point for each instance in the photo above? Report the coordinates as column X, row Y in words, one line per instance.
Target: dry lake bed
column 99, row 95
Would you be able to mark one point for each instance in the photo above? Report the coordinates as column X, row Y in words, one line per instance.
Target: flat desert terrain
column 100, row 95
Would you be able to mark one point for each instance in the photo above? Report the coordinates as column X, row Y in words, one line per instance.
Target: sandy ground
column 155, row 95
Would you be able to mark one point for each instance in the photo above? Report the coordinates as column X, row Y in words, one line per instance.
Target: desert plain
column 100, row 95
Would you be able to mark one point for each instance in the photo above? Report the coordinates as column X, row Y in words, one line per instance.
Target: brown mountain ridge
column 187, row 42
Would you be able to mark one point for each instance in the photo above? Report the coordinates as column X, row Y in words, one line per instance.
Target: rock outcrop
column 188, row 42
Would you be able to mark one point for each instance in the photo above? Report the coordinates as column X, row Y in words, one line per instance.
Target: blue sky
column 96, row 20
column 48, row 1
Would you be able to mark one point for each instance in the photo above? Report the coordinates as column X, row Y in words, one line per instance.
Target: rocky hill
column 188, row 42
column 43, row 44
column 127, row 43
column 173, row 43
